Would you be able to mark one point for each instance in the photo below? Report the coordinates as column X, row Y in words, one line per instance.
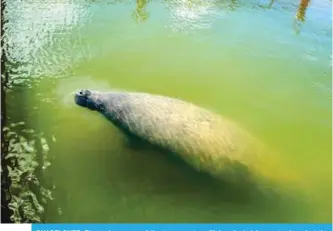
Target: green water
column 252, row 61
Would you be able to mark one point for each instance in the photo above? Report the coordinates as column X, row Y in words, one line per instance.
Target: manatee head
column 89, row 99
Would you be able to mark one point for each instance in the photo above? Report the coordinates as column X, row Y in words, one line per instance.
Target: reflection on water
column 27, row 154
column 271, row 3
column 302, row 10
column 241, row 59
column 300, row 15
column 33, row 38
column 140, row 14
column 26, row 160
column 192, row 15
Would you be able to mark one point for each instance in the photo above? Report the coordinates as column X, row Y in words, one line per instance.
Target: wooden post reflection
column 5, row 179
column 271, row 4
column 301, row 11
column 140, row 13
column 300, row 15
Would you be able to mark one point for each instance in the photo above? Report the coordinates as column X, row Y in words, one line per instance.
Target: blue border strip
column 181, row 227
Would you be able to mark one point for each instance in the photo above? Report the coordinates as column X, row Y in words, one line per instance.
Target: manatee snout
column 84, row 98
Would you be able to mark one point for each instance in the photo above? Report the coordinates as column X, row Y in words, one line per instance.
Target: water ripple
column 192, row 15
column 38, row 37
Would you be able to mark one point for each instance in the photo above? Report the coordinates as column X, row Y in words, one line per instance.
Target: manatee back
column 204, row 139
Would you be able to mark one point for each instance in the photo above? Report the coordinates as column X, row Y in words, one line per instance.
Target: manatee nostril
column 87, row 92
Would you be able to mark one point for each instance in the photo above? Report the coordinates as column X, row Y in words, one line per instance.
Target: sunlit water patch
column 39, row 37
column 190, row 16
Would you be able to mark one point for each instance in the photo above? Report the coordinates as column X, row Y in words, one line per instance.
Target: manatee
column 205, row 140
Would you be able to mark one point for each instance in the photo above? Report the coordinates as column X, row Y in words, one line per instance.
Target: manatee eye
column 84, row 93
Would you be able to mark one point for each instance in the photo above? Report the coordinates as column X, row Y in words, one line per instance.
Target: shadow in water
column 149, row 170
column 132, row 176
column 237, row 185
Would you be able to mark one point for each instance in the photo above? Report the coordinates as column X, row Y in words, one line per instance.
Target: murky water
column 265, row 64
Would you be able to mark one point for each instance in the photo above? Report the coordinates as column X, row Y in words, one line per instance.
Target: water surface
column 265, row 64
